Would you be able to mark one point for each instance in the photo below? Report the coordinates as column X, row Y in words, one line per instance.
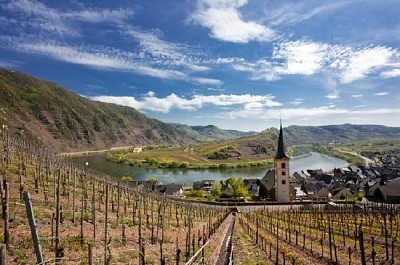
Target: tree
column 152, row 179
column 216, row 189
column 238, row 187
column 126, row 178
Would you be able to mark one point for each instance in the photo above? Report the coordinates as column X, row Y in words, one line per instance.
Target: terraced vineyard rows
column 83, row 217
column 342, row 236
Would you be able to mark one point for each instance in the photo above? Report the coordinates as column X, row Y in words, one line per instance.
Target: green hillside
column 65, row 121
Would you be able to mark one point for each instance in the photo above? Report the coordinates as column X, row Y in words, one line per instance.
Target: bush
column 195, row 194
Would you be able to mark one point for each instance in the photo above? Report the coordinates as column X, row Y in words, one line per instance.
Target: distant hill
column 215, row 133
column 337, row 133
column 65, row 121
column 263, row 144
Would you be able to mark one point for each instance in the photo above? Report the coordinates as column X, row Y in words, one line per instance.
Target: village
column 378, row 182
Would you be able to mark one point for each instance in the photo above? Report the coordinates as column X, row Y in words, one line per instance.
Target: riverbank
column 367, row 161
column 91, row 152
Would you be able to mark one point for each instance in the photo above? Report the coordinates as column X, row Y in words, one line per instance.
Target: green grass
column 256, row 151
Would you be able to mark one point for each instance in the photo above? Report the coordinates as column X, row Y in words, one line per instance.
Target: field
column 251, row 151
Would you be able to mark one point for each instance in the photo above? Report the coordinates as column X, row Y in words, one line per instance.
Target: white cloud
column 297, row 101
column 341, row 63
column 334, row 94
column 226, row 23
column 286, row 13
column 207, row 81
column 357, row 96
column 315, row 113
column 152, row 103
column 152, row 44
column 358, row 64
column 301, row 57
column 39, row 16
column 263, row 70
column 198, row 68
column 391, row 73
column 228, row 60
column 381, row 94
column 99, row 15
column 99, row 57
column 164, row 53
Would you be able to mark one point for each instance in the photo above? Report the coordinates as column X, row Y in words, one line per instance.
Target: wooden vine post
column 33, row 226
column 57, row 239
column 94, row 209
column 106, row 226
column 6, row 214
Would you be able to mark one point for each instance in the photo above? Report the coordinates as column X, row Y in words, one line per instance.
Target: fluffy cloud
column 358, row 64
column 303, row 57
column 153, row 103
column 391, row 73
column 225, row 21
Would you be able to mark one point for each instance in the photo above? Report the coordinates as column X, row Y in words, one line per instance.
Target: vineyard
column 342, row 236
column 54, row 212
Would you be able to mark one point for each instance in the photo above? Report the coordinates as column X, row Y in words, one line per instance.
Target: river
column 99, row 163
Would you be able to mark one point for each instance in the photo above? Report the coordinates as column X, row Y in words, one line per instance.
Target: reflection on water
column 99, row 163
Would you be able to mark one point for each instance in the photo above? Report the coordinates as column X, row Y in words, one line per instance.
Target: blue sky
column 239, row 64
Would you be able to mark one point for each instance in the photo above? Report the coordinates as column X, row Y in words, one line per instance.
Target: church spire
column 280, row 153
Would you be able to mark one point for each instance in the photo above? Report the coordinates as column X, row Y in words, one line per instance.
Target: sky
column 236, row 64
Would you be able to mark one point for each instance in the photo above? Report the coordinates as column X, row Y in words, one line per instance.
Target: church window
column 283, row 165
column 283, row 173
column 283, row 182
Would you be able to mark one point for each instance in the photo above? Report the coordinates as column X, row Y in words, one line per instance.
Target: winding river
column 99, row 163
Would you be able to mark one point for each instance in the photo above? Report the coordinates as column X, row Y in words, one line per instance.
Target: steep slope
column 64, row 121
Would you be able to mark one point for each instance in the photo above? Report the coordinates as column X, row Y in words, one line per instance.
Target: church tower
column 282, row 181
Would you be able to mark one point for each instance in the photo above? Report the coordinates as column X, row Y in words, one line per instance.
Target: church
column 276, row 184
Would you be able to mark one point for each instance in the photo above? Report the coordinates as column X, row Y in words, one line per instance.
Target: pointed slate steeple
column 280, row 153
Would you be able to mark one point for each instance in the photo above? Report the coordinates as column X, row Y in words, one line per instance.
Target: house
column 170, row 189
column 343, row 194
column 315, row 172
column 299, row 176
column 226, row 189
column 252, row 186
column 267, row 185
column 149, row 185
column 137, row 150
column 323, row 193
column 205, row 185
column 313, row 188
column 389, row 192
